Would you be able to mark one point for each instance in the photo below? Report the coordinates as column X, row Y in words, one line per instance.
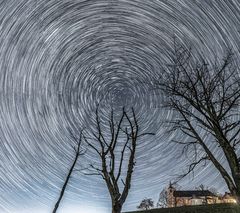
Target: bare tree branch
column 205, row 98
column 78, row 152
column 112, row 160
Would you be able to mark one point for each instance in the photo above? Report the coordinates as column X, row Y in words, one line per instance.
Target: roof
column 197, row 193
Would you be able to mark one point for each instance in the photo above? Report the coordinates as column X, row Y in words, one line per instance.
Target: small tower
column 170, row 195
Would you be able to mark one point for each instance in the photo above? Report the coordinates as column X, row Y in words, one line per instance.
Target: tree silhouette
column 77, row 152
column 116, row 149
column 146, row 204
column 205, row 99
column 163, row 199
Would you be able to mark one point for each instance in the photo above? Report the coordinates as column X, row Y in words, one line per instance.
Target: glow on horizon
column 66, row 209
column 83, row 209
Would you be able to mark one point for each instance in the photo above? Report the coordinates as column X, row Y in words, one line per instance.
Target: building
column 195, row 197
column 227, row 198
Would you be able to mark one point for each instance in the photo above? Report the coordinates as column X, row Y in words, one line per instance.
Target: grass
column 214, row 208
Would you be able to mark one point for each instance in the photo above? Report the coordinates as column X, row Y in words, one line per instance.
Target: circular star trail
column 59, row 59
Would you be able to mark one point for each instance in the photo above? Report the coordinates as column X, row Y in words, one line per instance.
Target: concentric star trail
column 58, row 59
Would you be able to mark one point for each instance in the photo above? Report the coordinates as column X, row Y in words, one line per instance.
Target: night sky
column 59, row 58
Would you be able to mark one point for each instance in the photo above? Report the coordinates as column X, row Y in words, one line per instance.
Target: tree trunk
column 238, row 199
column 116, row 208
column 236, row 194
column 65, row 184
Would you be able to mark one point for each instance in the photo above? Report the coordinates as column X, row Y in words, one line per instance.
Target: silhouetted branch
column 78, row 152
column 108, row 148
column 205, row 98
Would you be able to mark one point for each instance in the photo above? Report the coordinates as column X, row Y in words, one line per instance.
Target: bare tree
column 203, row 188
column 205, row 100
column 163, row 199
column 146, row 204
column 214, row 191
column 77, row 152
column 115, row 145
column 210, row 189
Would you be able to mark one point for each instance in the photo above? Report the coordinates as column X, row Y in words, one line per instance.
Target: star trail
column 59, row 59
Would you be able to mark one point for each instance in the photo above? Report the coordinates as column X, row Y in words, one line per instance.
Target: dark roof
column 197, row 193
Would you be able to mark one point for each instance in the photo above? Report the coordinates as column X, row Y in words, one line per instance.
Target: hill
column 215, row 208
